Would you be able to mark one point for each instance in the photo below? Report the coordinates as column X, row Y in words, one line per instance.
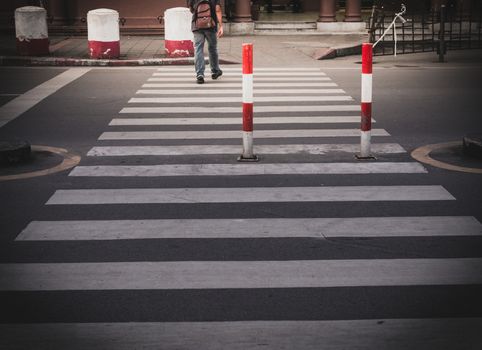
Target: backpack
column 203, row 16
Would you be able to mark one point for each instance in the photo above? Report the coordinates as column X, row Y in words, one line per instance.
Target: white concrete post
column 31, row 31
column 103, row 33
column 178, row 37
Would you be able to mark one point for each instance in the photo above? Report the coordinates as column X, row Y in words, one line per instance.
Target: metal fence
column 409, row 32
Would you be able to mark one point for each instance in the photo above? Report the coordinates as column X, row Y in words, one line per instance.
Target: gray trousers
column 200, row 36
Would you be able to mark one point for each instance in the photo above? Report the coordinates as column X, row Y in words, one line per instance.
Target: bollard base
column 359, row 157
column 254, row 158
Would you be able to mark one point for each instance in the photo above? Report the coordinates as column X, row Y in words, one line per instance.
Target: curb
column 334, row 52
column 81, row 62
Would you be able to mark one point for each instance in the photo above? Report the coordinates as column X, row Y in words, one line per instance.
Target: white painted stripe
column 239, row 92
column 233, row 134
column 429, row 226
column 239, row 274
column 366, row 94
column 243, row 169
column 238, row 110
column 23, row 103
column 233, row 69
column 220, row 84
column 247, row 92
column 316, row 149
column 239, row 73
column 238, row 79
column 246, row 98
column 395, row 334
column 246, row 194
column 233, row 121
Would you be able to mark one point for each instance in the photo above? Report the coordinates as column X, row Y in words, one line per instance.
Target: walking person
column 207, row 24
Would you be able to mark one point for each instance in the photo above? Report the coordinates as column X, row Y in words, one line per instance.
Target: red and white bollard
column 366, row 101
column 177, row 32
column 31, row 31
column 248, row 155
column 103, row 33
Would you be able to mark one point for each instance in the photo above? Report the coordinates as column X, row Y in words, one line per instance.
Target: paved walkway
column 270, row 51
column 283, row 50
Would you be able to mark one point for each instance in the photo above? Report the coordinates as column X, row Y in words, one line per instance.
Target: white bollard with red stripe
column 103, row 33
column 248, row 154
column 31, row 31
column 178, row 37
column 366, row 101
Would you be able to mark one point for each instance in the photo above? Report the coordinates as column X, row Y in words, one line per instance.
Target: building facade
column 145, row 16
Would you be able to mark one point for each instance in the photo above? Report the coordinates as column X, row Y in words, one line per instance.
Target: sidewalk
column 286, row 50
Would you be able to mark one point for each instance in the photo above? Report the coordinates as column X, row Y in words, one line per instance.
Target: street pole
column 366, row 101
column 248, row 155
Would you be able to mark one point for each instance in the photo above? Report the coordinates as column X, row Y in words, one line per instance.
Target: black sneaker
column 217, row 75
column 200, row 79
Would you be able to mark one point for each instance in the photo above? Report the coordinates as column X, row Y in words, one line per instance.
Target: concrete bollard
column 103, row 33
column 177, row 32
column 31, row 31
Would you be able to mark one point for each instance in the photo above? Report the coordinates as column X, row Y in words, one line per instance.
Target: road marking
column 238, row 110
column 453, row 333
column 239, row 92
column 316, row 149
column 247, row 194
column 233, row 134
column 422, row 154
column 218, row 85
column 238, row 74
column 430, row 226
column 231, row 79
column 23, row 103
column 234, row 121
column 232, row 69
column 181, row 275
column 69, row 161
column 238, row 99
column 244, row 169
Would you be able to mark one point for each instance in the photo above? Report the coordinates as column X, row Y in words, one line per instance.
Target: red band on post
column 179, row 48
column 366, row 116
column 33, row 47
column 247, row 58
column 367, row 58
column 104, row 49
column 247, row 117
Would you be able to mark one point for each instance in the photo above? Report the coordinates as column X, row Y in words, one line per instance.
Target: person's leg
column 199, row 52
column 213, row 52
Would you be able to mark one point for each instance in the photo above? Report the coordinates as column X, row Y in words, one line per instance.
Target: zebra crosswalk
column 174, row 185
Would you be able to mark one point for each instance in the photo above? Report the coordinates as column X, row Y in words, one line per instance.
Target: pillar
column 353, row 11
column 58, row 11
column 242, row 11
column 223, row 8
column 327, row 11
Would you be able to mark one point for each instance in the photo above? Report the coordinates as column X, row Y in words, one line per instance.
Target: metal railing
column 446, row 28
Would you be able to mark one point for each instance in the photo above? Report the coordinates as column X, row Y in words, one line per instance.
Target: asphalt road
column 377, row 276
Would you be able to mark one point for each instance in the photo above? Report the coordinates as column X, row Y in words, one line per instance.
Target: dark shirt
column 192, row 6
